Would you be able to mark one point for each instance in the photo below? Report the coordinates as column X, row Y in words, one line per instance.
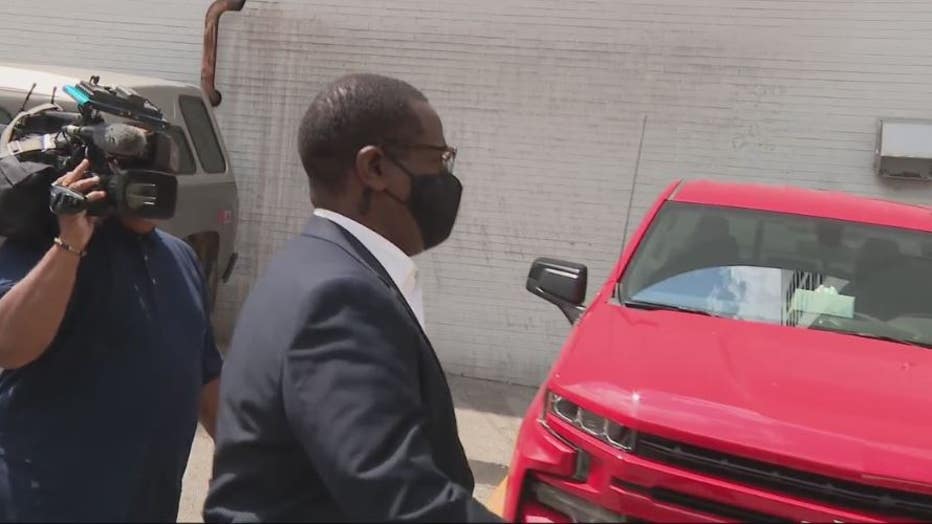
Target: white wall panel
column 546, row 101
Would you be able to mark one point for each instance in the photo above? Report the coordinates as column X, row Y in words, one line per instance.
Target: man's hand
column 76, row 230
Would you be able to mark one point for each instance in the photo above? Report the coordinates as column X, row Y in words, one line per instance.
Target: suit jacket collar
column 324, row 229
column 399, row 265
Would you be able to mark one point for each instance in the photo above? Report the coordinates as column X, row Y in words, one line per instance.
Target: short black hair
column 348, row 114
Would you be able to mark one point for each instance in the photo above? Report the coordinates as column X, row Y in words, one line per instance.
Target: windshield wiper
column 655, row 306
column 886, row 338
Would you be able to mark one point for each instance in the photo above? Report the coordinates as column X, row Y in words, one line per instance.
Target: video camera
column 135, row 159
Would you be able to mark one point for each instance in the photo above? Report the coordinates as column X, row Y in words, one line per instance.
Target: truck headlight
column 611, row 433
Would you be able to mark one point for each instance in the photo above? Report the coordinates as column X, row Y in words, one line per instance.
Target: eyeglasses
column 448, row 153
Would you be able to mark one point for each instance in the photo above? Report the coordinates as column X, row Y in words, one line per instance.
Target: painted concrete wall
column 547, row 101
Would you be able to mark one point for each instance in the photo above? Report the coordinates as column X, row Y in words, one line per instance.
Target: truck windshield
column 789, row 270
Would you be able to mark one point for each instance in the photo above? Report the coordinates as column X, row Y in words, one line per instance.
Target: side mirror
column 563, row 284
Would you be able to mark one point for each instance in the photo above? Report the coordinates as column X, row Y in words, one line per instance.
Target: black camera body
column 136, row 159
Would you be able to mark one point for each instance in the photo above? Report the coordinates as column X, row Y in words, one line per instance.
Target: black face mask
column 434, row 203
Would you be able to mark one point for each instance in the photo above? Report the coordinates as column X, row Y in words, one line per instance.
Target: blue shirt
column 100, row 426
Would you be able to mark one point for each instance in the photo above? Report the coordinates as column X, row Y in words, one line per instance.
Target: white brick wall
column 546, row 100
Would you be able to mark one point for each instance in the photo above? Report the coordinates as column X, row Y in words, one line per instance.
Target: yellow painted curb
column 496, row 502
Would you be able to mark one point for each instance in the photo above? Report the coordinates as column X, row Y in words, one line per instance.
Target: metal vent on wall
column 904, row 149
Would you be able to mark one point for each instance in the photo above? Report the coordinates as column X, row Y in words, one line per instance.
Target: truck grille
column 702, row 505
column 780, row 479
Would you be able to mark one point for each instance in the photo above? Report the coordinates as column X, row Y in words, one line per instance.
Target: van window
column 5, row 117
column 202, row 134
column 186, row 164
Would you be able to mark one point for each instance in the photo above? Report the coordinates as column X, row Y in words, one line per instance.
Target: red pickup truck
column 757, row 354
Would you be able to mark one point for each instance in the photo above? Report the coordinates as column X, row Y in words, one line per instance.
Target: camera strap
column 33, row 144
column 10, row 147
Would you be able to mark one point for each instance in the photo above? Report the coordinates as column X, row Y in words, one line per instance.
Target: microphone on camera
column 120, row 140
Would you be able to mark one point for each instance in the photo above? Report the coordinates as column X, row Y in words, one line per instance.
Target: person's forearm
column 32, row 311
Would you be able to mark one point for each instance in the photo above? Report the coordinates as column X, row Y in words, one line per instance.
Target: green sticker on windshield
column 823, row 301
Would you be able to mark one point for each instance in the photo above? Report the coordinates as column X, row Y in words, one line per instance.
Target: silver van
column 207, row 210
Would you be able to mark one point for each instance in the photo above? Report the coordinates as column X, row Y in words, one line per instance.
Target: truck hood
column 824, row 402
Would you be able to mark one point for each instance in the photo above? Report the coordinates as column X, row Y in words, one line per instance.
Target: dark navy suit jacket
column 334, row 406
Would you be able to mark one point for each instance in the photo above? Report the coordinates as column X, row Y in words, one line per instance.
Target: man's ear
column 370, row 161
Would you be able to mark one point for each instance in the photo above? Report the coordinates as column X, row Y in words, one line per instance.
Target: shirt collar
column 399, row 266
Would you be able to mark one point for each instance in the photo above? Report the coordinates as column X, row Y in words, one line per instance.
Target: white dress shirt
column 398, row 265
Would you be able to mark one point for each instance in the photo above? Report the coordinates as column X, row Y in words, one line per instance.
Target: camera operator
column 109, row 361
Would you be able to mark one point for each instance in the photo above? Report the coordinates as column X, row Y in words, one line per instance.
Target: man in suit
column 334, row 406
